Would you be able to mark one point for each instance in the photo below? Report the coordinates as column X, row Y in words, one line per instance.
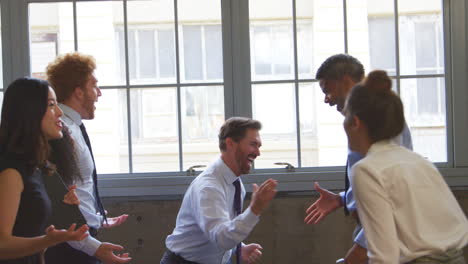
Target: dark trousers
column 65, row 254
column 170, row 257
column 34, row 259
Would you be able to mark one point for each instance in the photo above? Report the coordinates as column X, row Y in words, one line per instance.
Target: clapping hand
column 262, row 196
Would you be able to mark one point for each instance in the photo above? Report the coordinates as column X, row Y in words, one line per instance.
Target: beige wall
column 281, row 231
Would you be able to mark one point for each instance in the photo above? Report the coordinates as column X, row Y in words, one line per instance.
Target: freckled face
column 91, row 94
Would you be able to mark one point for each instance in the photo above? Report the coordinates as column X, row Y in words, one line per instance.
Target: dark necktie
column 100, row 207
column 346, row 211
column 237, row 211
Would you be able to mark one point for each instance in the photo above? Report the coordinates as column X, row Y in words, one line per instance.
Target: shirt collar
column 381, row 146
column 227, row 173
column 71, row 113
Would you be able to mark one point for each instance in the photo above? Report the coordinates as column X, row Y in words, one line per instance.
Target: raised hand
column 71, row 197
column 106, row 254
column 326, row 204
column 62, row 235
column 262, row 196
column 251, row 253
column 115, row 221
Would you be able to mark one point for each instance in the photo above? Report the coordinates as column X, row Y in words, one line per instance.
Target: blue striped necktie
column 100, row 207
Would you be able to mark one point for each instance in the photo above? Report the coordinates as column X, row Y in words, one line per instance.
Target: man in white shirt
column 210, row 226
column 72, row 77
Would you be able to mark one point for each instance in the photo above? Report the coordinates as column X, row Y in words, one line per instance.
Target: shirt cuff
column 342, row 196
column 246, row 221
column 89, row 245
column 250, row 217
column 360, row 239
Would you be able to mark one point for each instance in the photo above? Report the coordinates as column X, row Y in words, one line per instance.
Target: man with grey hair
column 337, row 75
column 210, row 225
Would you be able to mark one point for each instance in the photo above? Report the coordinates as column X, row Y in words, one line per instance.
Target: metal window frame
column 238, row 101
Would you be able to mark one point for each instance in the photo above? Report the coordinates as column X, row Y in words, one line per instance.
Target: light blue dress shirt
column 84, row 189
column 207, row 229
column 404, row 139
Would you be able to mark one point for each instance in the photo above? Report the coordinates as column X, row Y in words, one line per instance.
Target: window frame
column 237, row 99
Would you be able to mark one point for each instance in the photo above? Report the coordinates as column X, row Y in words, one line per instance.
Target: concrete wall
column 281, row 231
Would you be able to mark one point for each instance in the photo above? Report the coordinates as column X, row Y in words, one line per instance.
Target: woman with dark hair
column 407, row 210
column 30, row 118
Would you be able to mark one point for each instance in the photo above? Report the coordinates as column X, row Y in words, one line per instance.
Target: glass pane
column 305, row 41
column 202, row 117
column 421, row 37
column 146, row 53
column 332, row 144
column 200, row 39
column 108, row 132
column 371, row 33
column 151, row 42
column 154, row 130
column 97, row 23
column 424, row 101
column 279, row 143
column 50, row 34
column 328, row 30
column 132, row 54
column 214, row 55
column 166, row 54
column 308, row 116
column 271, row 40
column 193, row 65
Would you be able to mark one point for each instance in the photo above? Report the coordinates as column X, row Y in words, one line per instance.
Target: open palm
column 326, row 204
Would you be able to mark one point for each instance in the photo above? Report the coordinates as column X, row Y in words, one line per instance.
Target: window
column 151, row 54
column 44, row 49
column 161, row 114
column 171, row 74
column 175, row 83
column 278, row 46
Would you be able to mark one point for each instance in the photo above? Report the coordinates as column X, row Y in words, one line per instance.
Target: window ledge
column 133, row 185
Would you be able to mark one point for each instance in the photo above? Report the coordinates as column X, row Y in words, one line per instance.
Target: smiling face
column 245, row 151
column 51, row 124
column 335, row 92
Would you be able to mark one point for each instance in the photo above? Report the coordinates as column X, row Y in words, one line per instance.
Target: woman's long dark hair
column 24, row 106
column 64, row 157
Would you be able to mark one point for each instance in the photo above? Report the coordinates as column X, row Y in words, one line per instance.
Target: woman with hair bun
column 407, row 210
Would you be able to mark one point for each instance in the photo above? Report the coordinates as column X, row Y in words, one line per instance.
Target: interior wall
column 281, row 230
